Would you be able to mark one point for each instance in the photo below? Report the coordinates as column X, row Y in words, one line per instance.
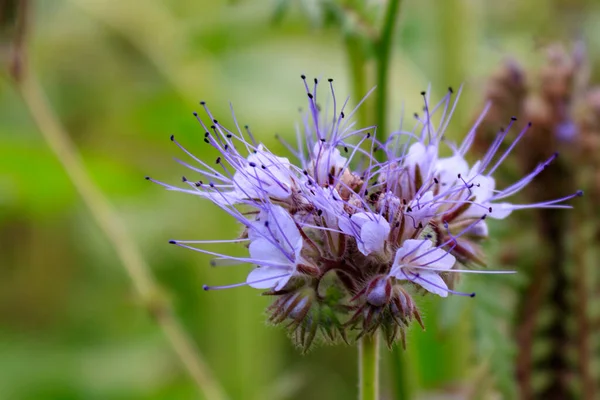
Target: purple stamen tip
column 205, row 287
column 172, row 242
column 147, row 178
column 172, row 138
column 579, row 193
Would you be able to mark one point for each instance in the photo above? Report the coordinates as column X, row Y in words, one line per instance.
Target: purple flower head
column 340, row 237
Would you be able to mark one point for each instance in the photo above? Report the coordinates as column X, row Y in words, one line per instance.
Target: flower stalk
column 383, row 51
column 368, row 367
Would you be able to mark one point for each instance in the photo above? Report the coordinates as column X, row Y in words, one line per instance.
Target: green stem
column 356, row 62
column 384, row 46
column 368, row 367
column 400, row 373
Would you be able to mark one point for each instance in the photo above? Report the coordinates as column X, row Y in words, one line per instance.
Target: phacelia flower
column 345, row 235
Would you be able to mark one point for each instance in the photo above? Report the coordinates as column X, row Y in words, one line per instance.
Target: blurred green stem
column 383, row 50
column 368, row 367
column 108, row 221
column 400, row 373
column 357, row 62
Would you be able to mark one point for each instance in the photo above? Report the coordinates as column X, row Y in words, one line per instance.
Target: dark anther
column 472, row 295
column 529, row 124
column 206, row 134
column 202, row 103
column 429, row 236
column 368, row 135
column 459, row 176
column 322, row 140
column 215, row 121
column 263, row 166
column 490, row 209
column 416, row 115
column 218, row 160
column 212, row 185
column 513, row 118
column 303, row 76
column 450, row 89
column 172, row 138
column 420, row 225
column 423, row 93
column 397, row 224
column 316, row 81
column 229, row 135
column 213, row 127
column 330, row 80
column 252, row 164
column 172, row 242
column 305, row 172
column 147, row 178
column 310, row 96
column 183, row 179
column 345, row 149
column 579, row 193
column 195, row 114
column 206, row 140
column 319, row 212
column 342, row 114
column 267, row 223
column 435, row 181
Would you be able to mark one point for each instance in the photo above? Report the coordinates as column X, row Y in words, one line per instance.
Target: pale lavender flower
column 341, row 237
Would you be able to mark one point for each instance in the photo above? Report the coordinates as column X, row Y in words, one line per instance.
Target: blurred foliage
column 123, row 77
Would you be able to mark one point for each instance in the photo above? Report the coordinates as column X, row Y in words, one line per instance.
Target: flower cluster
column 346, row 236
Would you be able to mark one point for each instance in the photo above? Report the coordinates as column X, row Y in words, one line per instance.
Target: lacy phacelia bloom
column 346, row 235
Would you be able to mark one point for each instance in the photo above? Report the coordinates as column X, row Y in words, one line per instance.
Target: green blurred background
column 125, row 75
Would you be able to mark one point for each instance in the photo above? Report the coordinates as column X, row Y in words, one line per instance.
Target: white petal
column 266, row 278
column 273, row 180
column 284, row 228
column 421, row 155
column 327, row 160
column 422, row 209
column 437, row 258
column 373, row 235
column 432, row 282
column 263, row 250
column 449, row 168
column 408, row 247
column 362, row 217
column 348, row 227
column 501, row 210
